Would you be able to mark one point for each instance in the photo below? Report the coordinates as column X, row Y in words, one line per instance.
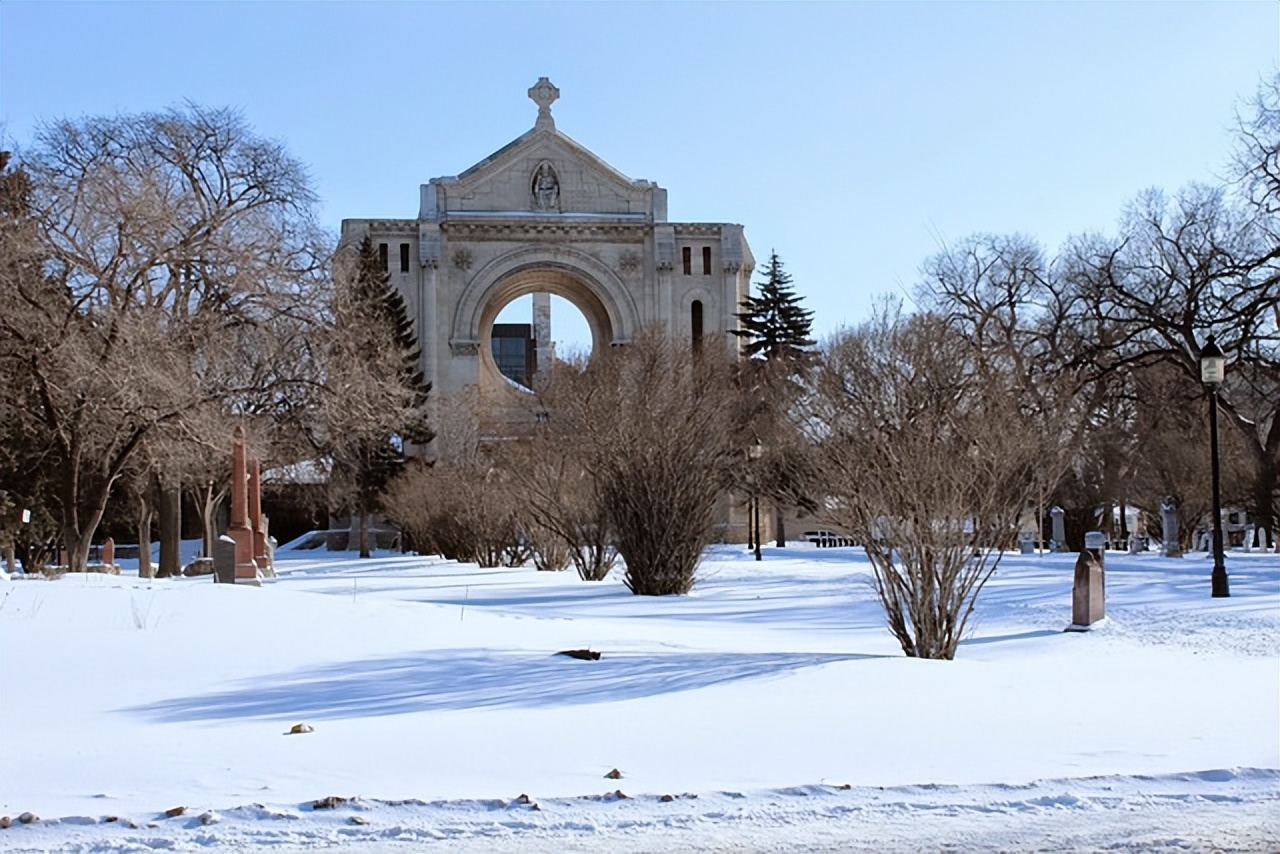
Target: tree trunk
column 145, row 512
column 1264, row 489
column 780, row 526
column 76, row 543
column 209, row 501
column 170, row 529
column 364, row 532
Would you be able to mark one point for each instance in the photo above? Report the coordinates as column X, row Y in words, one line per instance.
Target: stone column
column 430, row 337
column 1059, row 529
column 255, row 515
column 1169, row 529
column 246, row 569
column 544, row 350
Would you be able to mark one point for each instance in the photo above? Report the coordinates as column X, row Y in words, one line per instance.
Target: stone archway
column 594, row 288
column 539, row 280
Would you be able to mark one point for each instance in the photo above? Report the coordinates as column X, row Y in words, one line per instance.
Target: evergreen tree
column 776, row 330
column 377, row 343
column 774, row 324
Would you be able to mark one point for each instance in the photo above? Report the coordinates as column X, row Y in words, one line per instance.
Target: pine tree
column 776, row 330
column 378, row 333
column 774, row 324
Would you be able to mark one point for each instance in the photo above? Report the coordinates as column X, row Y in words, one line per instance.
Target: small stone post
column 1169, row 529
column 240, row 532
column 1059, row 529
column 1088, row 591
column 109, row 553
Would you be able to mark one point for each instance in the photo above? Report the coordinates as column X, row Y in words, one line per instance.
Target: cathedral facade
column 543, row 215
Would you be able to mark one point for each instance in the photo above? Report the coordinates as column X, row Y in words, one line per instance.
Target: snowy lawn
column 773, row 693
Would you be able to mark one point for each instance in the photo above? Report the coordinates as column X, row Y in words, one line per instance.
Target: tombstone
column 1248, row 538
column 1027, row 542
column 1059, row 529
column 1138, row 536
column 239, row 530
column 1169, row 529
column 224, row 560
column 1088, row 590
column 255, row 521
column 109, row 552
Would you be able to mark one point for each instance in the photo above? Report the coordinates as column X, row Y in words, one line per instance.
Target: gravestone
column 109, row 552
column 1088, row 590
column 239, row 530
column 1059, row 529
column 1169, row 529
column 224, row 560
column 1027, row 542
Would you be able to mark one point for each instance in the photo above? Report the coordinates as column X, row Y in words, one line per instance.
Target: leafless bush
column 566, row 519
column 653, row 434
column 462, row 512
column 932, row 457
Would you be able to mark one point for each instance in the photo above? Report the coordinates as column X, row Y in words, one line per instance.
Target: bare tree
column 933, row 453
column 173, row 243
column 1172, row 426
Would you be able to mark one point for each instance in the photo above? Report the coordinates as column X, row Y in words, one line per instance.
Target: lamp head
column 1213, row 365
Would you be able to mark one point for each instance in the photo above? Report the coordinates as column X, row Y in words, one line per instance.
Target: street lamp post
column 1212, row 371
column 755, row 453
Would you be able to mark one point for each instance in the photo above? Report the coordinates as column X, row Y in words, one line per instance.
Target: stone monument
column 1088, row 590
column 1059, row 529
column 262, row 552
column 1169, row 529
column 224, row 560
column 239, row 530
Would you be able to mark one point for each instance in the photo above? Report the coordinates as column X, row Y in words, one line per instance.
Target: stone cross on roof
column 544, row 94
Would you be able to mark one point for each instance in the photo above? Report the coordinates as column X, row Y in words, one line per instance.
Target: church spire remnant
column 544, row 94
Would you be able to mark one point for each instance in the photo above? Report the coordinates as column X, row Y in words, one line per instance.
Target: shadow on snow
column 453, row 680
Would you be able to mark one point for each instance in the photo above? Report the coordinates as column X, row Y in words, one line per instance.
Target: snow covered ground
column 768, row 710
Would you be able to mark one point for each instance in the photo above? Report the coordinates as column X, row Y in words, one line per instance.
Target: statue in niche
column 546, row 188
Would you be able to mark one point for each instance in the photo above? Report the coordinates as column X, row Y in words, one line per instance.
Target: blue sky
column 853, row 138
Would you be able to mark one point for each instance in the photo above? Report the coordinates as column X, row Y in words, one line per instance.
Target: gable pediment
column 544, row 172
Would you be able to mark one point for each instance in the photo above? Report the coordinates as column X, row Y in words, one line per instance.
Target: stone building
column 543, row 215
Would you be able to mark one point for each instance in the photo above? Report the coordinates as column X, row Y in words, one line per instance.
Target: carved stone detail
column 732, row 266
column 522, row 229
column 629, row 262
column 665, row 266
column 464, row 348
column 544, row 93
column 462, row 258
column 545, row 187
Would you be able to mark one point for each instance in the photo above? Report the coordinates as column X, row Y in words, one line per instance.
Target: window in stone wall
column 706, row 260
column 695, row 324
column 382, row 255
column 404, row 257
column 687, row 253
